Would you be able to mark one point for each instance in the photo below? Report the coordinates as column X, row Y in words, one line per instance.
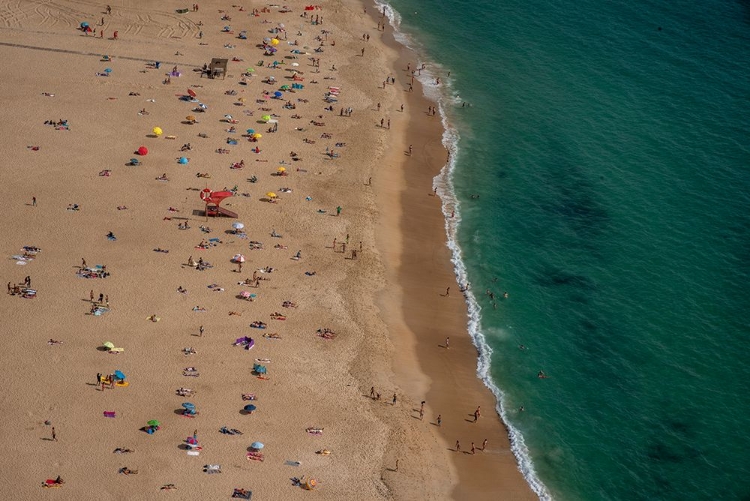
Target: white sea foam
column 445, row 97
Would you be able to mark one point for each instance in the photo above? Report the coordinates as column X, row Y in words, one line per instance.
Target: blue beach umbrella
column 84, row 24
column 278, row 94
column 250, row 408
column 107, row 70
column 188, row 405
column 251, row 131
column 119, row 375
column 183, row 160
column 257, row 445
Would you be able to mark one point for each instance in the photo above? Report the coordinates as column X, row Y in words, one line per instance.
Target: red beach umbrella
column 191, row 93
column 143, row 150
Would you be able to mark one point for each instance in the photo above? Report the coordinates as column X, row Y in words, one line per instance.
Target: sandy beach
column 340, row 227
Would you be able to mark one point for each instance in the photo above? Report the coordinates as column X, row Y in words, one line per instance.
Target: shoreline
column 421, row 278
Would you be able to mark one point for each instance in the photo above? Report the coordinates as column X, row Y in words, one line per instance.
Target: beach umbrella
column 143, row 150
column 119, row 375
column 249, row 408
column 271, row 194
column 157, row 131
column 228, row 117
column 84, row 24
column 278, row 94
column 188, row 405
column 107, row 70
column 295, row 64
column 238, row 226
column 108, row 344
column 267, row 39
column 153, row 422
column 257, row 445
column 275, row 41
column 310, row 484
column 250, row 70
column 242, row 100
column 183, row 160
column 284, row 87
column 266, row 118
column 257, row 135
column 238, row 258
column 190, row 118
column 281, row 169
column 191, row 93
column 245, row 294
column 250, row 131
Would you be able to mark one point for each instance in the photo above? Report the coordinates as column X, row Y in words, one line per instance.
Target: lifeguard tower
column 213, row 200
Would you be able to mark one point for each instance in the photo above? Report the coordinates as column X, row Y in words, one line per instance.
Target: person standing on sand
column 396, row 465
column 439, row 420
column 473, row 449
column 338, row 210
column 200, row 331
column 33, row 201
column 448, row 292
column 458, row 446
column 91, row 295
column 372, row 392
column 447, row 343
column 83, row 263
column 484, row 444
column 394, row 399
column 54, row 435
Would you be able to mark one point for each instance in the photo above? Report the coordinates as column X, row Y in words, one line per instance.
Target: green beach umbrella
column 108, row 344
column 266, row 118
column 153, row 422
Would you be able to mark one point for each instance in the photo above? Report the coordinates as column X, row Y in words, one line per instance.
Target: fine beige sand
column 384, row 305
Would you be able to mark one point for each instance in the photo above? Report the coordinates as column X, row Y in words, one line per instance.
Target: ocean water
column 601, row 176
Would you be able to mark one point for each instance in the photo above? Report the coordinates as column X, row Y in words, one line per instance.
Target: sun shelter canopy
column 218, row 67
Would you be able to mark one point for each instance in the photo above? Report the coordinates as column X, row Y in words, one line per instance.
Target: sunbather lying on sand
column 121, row 450
column 272, row 335
column 288, row 304
column 127, row 471
column 53, row 342
column 168, row 487
column 258, row 325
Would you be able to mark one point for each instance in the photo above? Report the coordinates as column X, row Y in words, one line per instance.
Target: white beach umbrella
column 238, row 258
column 238, row 226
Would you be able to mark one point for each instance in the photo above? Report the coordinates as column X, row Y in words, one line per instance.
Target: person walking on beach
column 83, row 263
column 439, row 420
column 200, row 331
column 484, row 444
column 372, row 392
column 54, row 435
column 91, row 295
column 33, row 201
column 458, row 446
column 447, row 343
column 396, row 465
column 410, row 149
column 477, row 413
column 473, row 449
column 394, row 399
column 448, row 292
column 338, row 210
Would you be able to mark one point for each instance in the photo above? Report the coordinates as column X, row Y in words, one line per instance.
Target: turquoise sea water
column 611, row 160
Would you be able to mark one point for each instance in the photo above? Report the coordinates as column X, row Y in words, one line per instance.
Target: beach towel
column 110, row 414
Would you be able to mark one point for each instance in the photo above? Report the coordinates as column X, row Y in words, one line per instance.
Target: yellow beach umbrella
column 275, row 41
column 157, row 131
column 271, row 194
column 281, row 169
column 257, row 135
